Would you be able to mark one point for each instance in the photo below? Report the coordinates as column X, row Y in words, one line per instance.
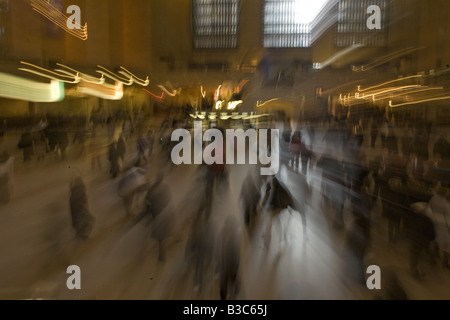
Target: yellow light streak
column 49, row 73
column 54, row 15
column 173, row 93
column 417, row 101
column 388, row 82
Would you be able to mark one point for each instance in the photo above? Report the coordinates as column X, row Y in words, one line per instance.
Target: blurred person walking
column 421, row 235
column 26, row 144
column 439, row 206
column 130, row 185
column 295, row 147
column 82, row 219
column 121, row 149
column 6, row 177
column 230, row 280
column 141, row 147
column 113, row 158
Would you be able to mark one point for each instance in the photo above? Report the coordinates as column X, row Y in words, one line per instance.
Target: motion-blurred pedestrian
column 82, row 219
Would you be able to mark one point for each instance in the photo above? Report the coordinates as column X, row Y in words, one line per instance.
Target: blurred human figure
column 357, row 240
column 141, row 147
column 150, row 141
column 113, row 158
column 373, row 133
column 131, row 184
column 63, row 143
column 156, row 199
column 95, row 151
column 40, row 145
column 82, row 219
column 26, row 144
column 230, row 281
column 250, row 197
column 439, row 206
column 6, row 177
column 277, row 199
column 333, row 185
column 384, row 133
column 295, row 147
column 121, row 148
column 421, row 235
column 394, row 200
column 162, row 228
column 305, row 156
column 199, row 251
column 285, row 140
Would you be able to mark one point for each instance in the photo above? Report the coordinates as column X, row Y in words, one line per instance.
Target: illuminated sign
column 15, row 87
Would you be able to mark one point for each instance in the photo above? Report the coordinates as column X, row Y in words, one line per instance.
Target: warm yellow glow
column 352, row 99
column 330, row 60
column 417, row 101
column 218, row 105
column 233, row 104
column 203, row 92
column 173, row 93
column 109, row 74
column 134, row 78
column 49, row 73
column 15, row 87
column 54, row 15
column 385, row 59
column 388, row 82
column 259, row 104
column 82, row 76
column 104, row 91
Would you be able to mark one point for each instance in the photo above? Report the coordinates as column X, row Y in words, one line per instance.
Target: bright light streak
column 321, row 65
column 217, row 93
column 218, row 105
column 15, row 87
column 49, row 73
column 388, row 82
column 54, row 15
column 133, row 77
column 81, row 75
column 385, row 59
column 233, row 104
column 259, row 104
column 113, row 76
column 104, row 91
column 203, row 92
column 154, row 95
column 417, row 101
column 172, row 94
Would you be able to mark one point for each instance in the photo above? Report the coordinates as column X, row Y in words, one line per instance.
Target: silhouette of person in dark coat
column 82, row 219
column 230, row 281
column 421, row 235
column 26, row 144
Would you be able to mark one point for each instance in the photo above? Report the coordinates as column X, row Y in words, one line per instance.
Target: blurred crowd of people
column 402, row 165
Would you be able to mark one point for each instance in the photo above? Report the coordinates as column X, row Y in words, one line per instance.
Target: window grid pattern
column 280, row 27
column 215, row 24
column 351, row 27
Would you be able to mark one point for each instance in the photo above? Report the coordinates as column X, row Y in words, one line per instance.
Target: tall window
column 351, row 26
column 287, row 23
column 215, row 23
column 4, row 8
